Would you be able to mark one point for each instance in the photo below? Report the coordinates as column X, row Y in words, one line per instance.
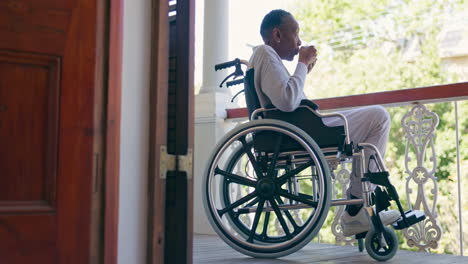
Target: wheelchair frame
column 381, row 242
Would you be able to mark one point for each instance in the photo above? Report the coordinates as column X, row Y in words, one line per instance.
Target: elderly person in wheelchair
column 275, row 86
column 267, row 188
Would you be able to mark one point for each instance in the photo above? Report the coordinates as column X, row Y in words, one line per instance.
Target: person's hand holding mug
column 308, row 56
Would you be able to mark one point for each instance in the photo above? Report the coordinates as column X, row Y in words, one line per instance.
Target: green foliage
column 369, row 46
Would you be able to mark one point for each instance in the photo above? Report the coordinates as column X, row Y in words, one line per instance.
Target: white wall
column 134, row 132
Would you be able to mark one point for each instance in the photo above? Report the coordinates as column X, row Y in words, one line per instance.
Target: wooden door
column 171, row 183
column 180, row 124
column 51, row 81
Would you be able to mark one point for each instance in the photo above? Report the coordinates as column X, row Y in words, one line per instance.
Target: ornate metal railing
column 419, row 125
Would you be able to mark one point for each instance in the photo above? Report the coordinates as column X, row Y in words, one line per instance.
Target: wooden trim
column 102, row 24
column 158, row 129
column 112, row 155
column 423, row 94
column 191, row 125
column 237, row 113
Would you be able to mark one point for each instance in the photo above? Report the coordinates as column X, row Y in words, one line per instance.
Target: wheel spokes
column 253, row 202
column 280, row 218
column 245, row 199
column 252, row 159
column 262, row 216
column 256, row 219
column 265, row 224
column 288, row 215
column 283, row 178
column 236, row 178
column 297, row 198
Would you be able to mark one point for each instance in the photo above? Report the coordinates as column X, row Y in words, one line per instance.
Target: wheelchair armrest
column 304, row 102
column 270, row 107
column 310, row 104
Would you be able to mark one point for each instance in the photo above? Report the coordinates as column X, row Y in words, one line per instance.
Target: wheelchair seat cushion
column 306, row 120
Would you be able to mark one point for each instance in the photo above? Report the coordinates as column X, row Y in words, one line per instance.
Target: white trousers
column 366, row 125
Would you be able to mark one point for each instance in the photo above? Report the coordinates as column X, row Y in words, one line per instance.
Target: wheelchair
column 267, row 185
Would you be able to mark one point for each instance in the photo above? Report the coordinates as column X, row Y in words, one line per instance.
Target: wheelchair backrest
column 251, row 97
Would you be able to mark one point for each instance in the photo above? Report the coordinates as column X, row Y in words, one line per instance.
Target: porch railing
column 419, row 125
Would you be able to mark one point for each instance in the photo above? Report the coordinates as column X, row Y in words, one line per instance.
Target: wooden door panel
column 51, row 60
column 39, row 26
column 18, row 246
column 28, row 131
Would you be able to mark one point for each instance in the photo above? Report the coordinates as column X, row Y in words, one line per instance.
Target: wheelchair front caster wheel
column 381, row 246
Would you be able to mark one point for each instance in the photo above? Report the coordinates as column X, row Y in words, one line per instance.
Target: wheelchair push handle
column 238, row 72
column 227, row 64
column 235, row 82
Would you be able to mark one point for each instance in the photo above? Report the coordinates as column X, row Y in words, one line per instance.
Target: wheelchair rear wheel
column 267, row 204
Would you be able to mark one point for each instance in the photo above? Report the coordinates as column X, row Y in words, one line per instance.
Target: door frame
column 158, row 133
column 112, row 133
column 157, row 130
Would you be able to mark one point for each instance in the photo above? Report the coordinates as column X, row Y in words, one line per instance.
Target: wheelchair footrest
column 412, row 217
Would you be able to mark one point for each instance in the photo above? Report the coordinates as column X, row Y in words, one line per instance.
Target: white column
column 211, row 103
column 215, row 43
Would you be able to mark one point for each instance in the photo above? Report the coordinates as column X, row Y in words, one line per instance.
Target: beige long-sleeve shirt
column 273, row 83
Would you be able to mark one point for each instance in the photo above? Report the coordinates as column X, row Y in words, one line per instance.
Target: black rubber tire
column 373, row 244
column 238, row 242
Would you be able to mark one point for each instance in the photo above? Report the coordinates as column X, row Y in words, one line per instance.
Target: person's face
column 287, row 39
